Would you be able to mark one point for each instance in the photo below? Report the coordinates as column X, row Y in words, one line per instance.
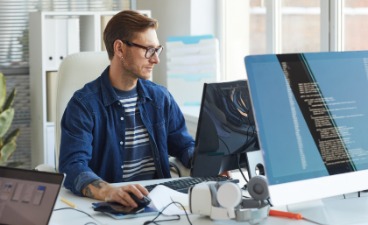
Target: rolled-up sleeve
column 76, row 146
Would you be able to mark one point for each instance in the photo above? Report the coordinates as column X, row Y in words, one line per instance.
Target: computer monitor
column 311, row 114
column 225, row 129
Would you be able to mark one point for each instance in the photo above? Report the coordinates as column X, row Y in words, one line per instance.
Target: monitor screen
column 225, row 129
column 311, row 114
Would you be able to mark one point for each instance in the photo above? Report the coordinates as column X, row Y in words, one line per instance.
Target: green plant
column 7, row 142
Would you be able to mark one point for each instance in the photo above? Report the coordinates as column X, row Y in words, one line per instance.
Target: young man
column 122, row 127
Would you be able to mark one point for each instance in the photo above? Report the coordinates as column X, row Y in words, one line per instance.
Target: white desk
column 352, row 211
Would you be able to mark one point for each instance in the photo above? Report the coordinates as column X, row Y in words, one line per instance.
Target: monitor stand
column 314, row 211
column 255, row 163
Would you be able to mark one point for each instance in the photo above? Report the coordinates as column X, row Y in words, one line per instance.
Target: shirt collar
column 109, row 95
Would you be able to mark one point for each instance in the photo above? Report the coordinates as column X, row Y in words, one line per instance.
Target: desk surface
column 340, row 210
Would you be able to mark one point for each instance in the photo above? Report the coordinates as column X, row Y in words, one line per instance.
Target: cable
column 89, row 215
column 237, row 111
column 269, row 202
column 240, row 169
column 154, row 221
column 176, row 168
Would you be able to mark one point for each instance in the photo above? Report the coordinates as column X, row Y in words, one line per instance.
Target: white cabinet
column 52, row 36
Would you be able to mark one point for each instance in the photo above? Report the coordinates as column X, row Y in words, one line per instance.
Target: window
column 257, row 27
column 285, row 26
column 354, row 27
column 300, row 26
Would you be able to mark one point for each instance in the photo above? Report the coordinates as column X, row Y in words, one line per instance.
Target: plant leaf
column 6, row 119
column 9, row 101
column 2, row 91
column 7, row 151
column 12, row 136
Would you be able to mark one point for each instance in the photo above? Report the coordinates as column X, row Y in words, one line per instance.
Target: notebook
column 27, row 196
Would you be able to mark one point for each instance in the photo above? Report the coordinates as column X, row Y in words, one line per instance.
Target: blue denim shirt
column 93, row 132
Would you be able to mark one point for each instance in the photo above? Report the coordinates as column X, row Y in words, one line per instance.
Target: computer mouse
column 140, row 202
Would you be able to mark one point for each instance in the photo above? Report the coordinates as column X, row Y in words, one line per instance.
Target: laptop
column 27, row 196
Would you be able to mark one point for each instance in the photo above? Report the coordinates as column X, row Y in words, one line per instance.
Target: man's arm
column 103, row 191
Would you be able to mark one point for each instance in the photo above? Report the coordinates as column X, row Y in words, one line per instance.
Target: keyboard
column 183, row 184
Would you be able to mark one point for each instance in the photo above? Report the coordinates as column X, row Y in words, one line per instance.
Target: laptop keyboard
column 183, row 185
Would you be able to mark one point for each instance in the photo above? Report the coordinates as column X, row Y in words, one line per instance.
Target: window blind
column 14, row 49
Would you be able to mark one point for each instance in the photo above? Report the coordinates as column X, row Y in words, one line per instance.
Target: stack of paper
column 176, row 202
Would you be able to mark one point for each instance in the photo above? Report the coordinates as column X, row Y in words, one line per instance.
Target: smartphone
column 114, row 207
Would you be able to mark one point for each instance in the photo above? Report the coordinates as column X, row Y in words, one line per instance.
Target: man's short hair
column 123, row 26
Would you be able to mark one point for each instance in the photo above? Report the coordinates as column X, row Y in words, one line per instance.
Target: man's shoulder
column 89, row 90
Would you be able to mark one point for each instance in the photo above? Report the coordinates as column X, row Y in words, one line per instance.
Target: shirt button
column 121, row 118
column 121, row 142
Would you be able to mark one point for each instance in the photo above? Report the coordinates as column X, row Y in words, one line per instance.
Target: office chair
column 76, row 70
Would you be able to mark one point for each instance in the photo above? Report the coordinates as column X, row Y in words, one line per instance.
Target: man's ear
column 118, row 48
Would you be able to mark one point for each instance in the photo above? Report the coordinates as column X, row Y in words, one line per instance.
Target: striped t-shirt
column 138, row 161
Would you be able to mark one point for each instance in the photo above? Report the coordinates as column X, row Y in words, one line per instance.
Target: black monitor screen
column 225, row 129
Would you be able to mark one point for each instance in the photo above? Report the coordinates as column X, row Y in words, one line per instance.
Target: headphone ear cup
column 229, row 195
column 258, row 188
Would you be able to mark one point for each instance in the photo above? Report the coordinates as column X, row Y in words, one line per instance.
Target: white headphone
column 224, row 200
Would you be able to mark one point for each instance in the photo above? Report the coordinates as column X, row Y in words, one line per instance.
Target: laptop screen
column 27, row 196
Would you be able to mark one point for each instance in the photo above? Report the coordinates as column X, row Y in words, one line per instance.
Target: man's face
column 135, row 62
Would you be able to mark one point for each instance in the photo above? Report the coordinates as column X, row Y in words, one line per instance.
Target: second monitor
column 225, row 130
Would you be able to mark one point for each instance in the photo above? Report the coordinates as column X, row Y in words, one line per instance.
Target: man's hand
column 101, row 190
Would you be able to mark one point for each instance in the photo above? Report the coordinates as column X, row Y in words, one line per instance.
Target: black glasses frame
column 150, row 51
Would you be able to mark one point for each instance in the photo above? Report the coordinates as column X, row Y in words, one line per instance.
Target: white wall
column 179, row 18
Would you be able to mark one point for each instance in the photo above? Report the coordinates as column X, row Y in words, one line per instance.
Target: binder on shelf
column 49, row 157
column 104, row 20
column 191, row 61
column 73, row 39
column 51, row 85
column 50, row 46
column 61, row 39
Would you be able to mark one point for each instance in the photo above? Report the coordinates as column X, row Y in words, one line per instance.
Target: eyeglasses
column 150, row 51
